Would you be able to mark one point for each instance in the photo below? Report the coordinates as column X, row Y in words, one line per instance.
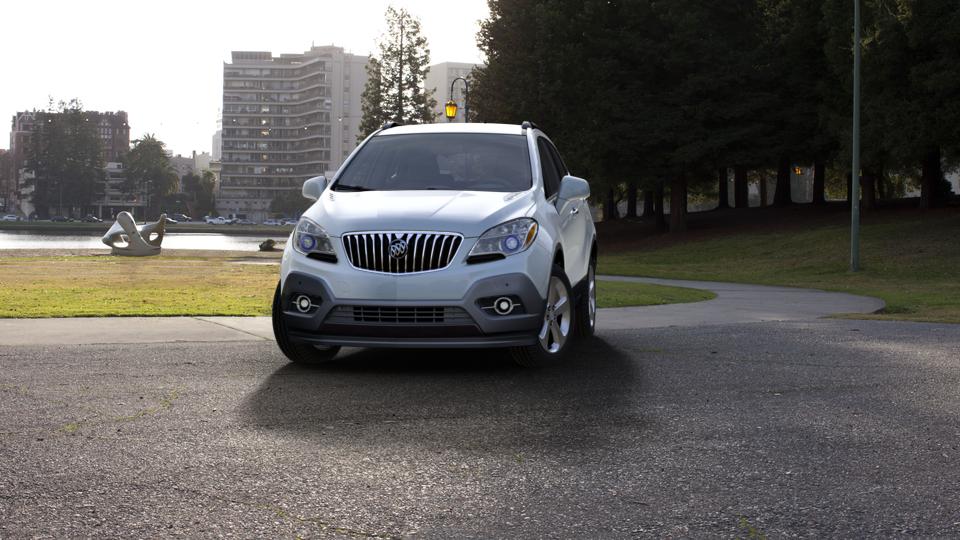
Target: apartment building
column 286, row 118
column 113, row 129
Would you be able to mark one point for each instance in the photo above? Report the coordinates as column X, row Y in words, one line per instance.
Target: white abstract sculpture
column 126, row 238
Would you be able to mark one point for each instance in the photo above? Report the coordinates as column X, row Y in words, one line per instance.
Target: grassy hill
column 910, row 259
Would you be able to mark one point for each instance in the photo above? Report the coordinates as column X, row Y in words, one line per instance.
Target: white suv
column 441, row 236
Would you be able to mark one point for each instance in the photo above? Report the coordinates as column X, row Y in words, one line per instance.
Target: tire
column 587, row 305
column 298, row 353
column 559, row 325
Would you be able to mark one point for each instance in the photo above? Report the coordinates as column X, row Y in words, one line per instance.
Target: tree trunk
column 819, row 183
column 881, row 186
column 763, row 190
column 782, row 196
column 631, row 199
column 678, row 210
column 609, row 206
column 658, row 207
column 648, row 208
column 931, row 175
column 868, row 195
column 723, row 191
column 741, row 191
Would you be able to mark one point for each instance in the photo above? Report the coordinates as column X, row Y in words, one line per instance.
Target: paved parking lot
column 825, row 428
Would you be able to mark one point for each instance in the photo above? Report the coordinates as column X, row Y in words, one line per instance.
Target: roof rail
column 389, row 124
column 528, row 125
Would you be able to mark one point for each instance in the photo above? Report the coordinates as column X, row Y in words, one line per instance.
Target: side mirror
column 313, row 188
column 572, row 188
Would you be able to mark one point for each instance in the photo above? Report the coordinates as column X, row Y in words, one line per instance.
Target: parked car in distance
column 271, row 221
column 442, row 236
column 288, row 221
column 219, row 220
column 181, row 218
column 90, row 218
column 10, row 217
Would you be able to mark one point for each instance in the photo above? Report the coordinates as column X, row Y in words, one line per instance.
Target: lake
column 33, row 240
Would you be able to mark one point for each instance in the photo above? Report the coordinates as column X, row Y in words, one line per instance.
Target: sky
column 162, row 62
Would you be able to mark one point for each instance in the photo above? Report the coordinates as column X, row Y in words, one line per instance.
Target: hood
column 469, row 213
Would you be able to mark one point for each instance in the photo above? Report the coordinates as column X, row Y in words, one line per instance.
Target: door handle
column 575, row 210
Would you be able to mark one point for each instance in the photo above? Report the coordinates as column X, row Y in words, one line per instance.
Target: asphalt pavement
column 819, row 428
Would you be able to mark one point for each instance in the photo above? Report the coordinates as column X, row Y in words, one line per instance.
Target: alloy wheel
column 556, row 318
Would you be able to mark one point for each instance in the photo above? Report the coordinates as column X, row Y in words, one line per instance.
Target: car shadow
column 450, row 398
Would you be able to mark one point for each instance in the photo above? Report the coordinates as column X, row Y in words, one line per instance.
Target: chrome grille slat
column 426, row 251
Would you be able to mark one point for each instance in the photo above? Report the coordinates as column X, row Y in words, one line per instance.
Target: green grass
column 97, row 286
column 911, row 263
column 624, row 294
column 121, row 286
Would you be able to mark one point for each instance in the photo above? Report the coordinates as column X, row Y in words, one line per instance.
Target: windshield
column 446, row 161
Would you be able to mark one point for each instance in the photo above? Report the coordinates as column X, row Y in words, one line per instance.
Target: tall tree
column 65, row 158
column 372, row 101
column 395, row 85
column 148, row 170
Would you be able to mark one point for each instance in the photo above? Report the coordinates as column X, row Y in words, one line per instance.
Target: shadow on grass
column 449, row 398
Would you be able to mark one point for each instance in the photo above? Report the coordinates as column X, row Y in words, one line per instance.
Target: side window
column 561, row 167
column 548, row 166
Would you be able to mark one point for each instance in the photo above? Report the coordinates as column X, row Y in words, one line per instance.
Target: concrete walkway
column 735, row 303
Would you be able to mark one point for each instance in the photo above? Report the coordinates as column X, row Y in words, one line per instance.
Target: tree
column 148, row 170
column 394, row 89
column 289, row 203
column 199, row 188
column 65, row 158
column 372, row 101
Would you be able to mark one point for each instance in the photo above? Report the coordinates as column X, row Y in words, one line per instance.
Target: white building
column 438, row 81
column 285, row 119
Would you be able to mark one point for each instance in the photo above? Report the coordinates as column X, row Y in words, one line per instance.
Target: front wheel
column 298, row 353
column 587, row 305
column 556, row 332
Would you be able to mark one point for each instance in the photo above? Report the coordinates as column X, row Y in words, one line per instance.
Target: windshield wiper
column 347, row 187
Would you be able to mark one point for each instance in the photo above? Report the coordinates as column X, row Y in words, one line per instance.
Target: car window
column 443, row 161
column 551, row 174
column 557, row 160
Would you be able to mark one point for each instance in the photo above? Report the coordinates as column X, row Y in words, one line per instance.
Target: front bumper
column 407, row 323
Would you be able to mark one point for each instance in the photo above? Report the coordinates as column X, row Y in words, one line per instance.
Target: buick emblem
column 398, row 248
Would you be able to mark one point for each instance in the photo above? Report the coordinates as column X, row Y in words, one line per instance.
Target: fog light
column 503, row 305
column 303, row 303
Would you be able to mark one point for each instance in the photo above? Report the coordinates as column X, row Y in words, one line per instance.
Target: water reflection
column 32, row 240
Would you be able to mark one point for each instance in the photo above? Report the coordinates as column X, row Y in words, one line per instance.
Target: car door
column 567, row 212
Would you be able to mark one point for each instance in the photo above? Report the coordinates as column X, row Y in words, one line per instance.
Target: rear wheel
column 587, row 305
column 556, row 332
column 299, row 353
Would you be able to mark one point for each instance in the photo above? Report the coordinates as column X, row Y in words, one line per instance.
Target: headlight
column 503, row 240
column 311, row 240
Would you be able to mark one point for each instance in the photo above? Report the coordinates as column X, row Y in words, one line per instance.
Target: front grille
column 424, row 251
column 412, row 315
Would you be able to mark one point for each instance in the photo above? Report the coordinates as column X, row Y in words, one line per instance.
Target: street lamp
column 855, row 173
column 450, row 109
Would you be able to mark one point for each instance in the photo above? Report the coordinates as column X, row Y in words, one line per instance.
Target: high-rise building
column 286, row 118
column 216, row 144
column 438, row 81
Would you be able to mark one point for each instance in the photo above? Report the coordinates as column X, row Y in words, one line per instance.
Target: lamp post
column 855, row 173
column 450, row 108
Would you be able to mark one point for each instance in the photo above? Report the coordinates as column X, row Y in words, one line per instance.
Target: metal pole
column 466, row 97
column 855, row 173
